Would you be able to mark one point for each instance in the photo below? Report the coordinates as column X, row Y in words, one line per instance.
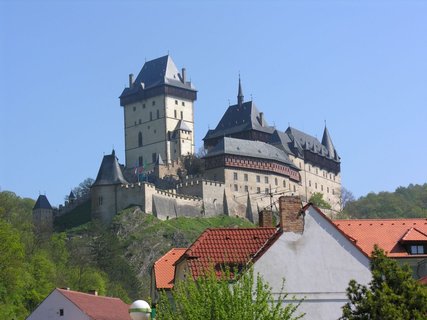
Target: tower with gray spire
column 158, row 114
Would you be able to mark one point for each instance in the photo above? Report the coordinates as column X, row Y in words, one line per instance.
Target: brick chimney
column 291, row 218
column 266, row 219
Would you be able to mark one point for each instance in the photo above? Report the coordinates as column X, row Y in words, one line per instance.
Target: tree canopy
column 209, row 297
column 317, row 199
column 392, row 294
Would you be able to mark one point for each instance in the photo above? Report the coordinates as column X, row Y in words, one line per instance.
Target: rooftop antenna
column 168, row 51
column 252, row 99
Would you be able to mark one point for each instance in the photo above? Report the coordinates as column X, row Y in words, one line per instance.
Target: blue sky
column 359, row 65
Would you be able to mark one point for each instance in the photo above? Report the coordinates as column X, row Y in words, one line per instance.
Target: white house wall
column 49, row 309
column 316, row 265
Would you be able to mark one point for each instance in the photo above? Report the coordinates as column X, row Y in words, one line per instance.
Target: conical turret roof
column 327, row 142
column 110, row 172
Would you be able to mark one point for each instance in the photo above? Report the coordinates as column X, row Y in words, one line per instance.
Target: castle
column 248, row 163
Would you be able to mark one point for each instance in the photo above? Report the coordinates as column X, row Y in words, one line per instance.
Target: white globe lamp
column 140, row 310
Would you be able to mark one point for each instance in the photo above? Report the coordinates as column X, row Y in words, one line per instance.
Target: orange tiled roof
column 228, row 246
column 423, row 280
column 386, row 233
column 98, row 307
column 164, row 268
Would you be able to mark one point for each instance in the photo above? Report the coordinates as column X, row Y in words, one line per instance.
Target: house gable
column 317, row 265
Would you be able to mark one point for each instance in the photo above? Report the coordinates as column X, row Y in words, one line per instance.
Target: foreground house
column 307, row 249
column 404, row 240
column 66, row 304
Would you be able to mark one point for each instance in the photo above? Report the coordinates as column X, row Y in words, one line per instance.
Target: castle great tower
column 158, row 114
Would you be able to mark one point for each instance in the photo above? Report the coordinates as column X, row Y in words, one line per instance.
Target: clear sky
column 359, row 65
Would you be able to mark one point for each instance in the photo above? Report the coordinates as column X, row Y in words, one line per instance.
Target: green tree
column 392, row 294
column 211, row 298
column 317, row 199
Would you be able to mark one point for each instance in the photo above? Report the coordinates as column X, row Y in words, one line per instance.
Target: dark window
column 176, row 101
column 175, row 114
column 245, row 176
column 258, row 190
column 182, row 115
column 154, row 157
column 295, row 188
column 258, row 179
column 100, row 201
column 266, row 190
column 143, row 106
column 417, row 249
column 235, row 187
column 140, row 162
column 61, row 312
column 140, row 139
column 134, row 108
column 140, row 121
column 154, row 103
column 151, row 115
column 266, row 179
column 275, row 181
column 158, row 114
column 246, row 189
column 183, row 103
column 235, row 175
column 284, row 183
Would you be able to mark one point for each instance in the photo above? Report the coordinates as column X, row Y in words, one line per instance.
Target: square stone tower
column 158, row 114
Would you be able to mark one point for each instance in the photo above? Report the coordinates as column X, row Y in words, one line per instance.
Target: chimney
column 130, row 80
column 291, row 217
column 261, row 116
column 184, row 75
column 266, row 219
column 94, row 292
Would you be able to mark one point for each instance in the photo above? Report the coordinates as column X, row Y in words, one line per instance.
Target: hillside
column 404, row 202
column 115, row 260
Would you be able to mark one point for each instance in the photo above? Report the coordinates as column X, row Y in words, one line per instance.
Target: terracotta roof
column 386, row 233
column 164, row 268
column 228, row 247
column 414, row 234
column 423, row 280
column 98, row 307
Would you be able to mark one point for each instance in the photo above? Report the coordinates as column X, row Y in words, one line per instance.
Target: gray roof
column 327, row 142
column 157, row 72
column 238, row 119
column 72, row 195
column 42, row 203
column 110, row 172
column 282, row 141
column 159, row 160
column 182, row 125
column 248, row 148
column 302, row 141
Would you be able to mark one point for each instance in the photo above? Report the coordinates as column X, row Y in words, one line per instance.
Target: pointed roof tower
column 327, row 142
column 240, row 94
column 110, row 172
column 42, row 203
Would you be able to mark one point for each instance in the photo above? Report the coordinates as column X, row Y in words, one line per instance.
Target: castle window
column 309, row 168
column 275, row 181
column 155, row 131
column 182, row 115
column 333, row 191
column 258, row 190
column 140, row 162
column 175, row 114
column 235, row 175
column 134, row 108
column 295, row 188
column 321, row 187
column 266, row 179
column 315, row 186
column 153, row 103
column 61, row 312
column 236, row 188
column 176, row 102
column 143, row 106
column 258, row 179
column 317, row 171
column 246, row 189
column 158, row 114
column 140, row 139
column 139, row 121
column 151, row 115
column 245, row 177
column 327, row 189
column 100, row 200
column 135, row 122
column 300, row 165
column 309, row 183
column 183, row 103
column 266, row 191
column 153, row 157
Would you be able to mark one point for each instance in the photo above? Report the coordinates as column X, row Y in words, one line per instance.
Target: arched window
column 140, row 139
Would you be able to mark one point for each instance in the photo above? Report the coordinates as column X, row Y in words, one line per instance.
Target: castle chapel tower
column 158, row 114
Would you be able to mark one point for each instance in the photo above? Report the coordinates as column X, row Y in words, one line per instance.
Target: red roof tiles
column 386, row 233
column 227, row 246
column 98, row 307
column 164, row 269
